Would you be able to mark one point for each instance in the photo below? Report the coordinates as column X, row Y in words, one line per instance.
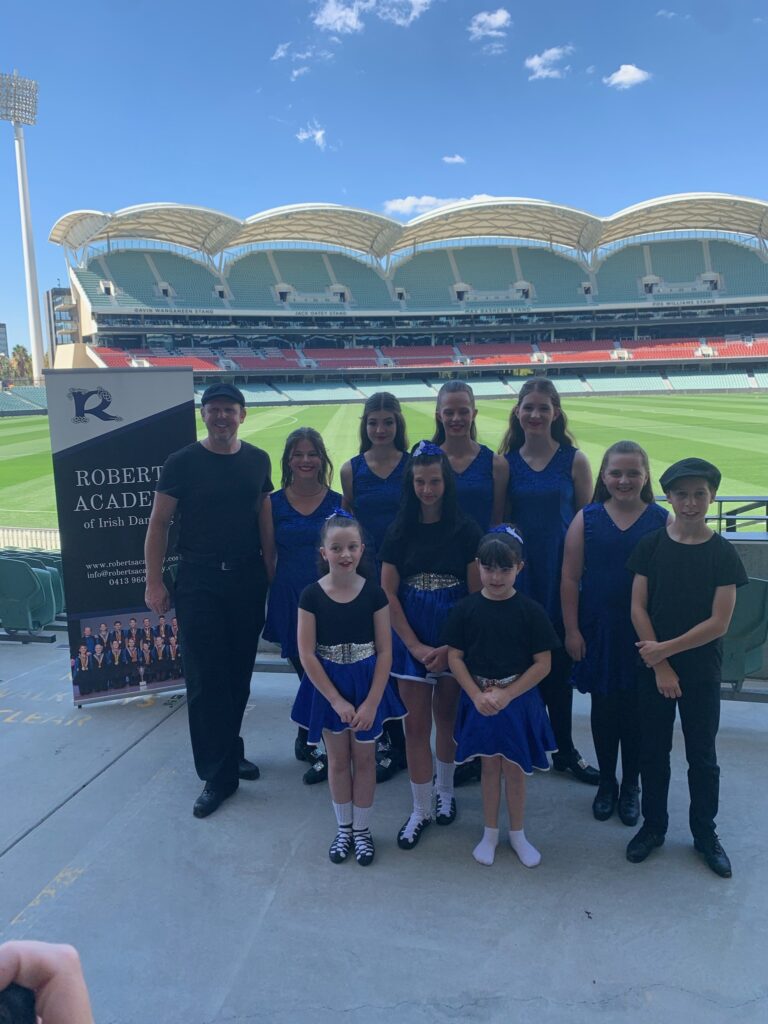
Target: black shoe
column 317, row 771
column 389, row 760
column 604, row 803
column 210, row 799
column 629, row 804
column 714, row 855
column 302, row 750
column 247, row 770
column 445, row 811
column 365, row 851
column 341, row 845
column 640, row 846
column 406, row 843
column 468, row 772
column 576, row 764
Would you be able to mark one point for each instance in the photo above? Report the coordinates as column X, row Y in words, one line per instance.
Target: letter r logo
column 99, row 399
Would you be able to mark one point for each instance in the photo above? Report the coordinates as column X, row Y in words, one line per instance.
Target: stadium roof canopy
column 211, row 232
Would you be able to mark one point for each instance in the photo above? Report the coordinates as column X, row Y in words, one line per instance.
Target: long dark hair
column 408, row 515
column 383, row 401
column 452, row 387
column 624, row 448
column 515, row 435
column 325, row 473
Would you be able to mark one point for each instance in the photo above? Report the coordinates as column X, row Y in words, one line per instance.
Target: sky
column 394, row 106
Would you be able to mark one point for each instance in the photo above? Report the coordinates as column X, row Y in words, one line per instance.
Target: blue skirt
column 314, row 713
column 426, row 611
column 520, row 733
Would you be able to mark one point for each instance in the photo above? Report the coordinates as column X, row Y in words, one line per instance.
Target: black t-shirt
column 219, row 499
column 432, row 547
column 499, row 638
column 343, row 623
column 682, row 579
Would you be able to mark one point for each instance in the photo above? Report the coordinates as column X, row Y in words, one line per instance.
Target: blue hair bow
column 505, row 528
column 426, row 448
column 341, row 513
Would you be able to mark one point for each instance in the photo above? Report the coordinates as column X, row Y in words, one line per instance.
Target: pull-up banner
column 111, row 432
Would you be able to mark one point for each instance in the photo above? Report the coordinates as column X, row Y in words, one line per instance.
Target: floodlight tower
column 18, row 104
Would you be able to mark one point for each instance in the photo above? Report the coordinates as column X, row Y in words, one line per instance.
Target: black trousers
column 614, row 720
column 699, row 708
column 221, row 615
column 557, row 693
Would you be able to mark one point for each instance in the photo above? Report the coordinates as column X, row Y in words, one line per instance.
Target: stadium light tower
column 18, row 104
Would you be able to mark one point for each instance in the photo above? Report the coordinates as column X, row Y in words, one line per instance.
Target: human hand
column 651, row 651
column 575, row 645
column 343, row 709
column 421, row 652
column 157, row 598
column 54, row 974
column 668, row 682
column 364, row 717
column 438, row 660
column 487, row 702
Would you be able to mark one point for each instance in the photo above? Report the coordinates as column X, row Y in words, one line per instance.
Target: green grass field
column 729, row 430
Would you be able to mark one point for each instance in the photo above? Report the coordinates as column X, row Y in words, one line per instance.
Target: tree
column 21, row 362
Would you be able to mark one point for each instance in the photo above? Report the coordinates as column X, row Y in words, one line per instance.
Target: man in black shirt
column 683, row 596
column 215, row 488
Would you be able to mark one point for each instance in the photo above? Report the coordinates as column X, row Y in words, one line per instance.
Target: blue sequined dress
column 605, row 598
column 542, row 507
column 474, row 488
column 296, row 542
column 376, row 500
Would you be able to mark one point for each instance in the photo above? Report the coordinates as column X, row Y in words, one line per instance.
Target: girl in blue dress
column 372, row 483
column 289, row 523
column 549, row 481
column 499, row 644
column 481, row 476
column 345, row 644
column 428, row 560
column 599, row 636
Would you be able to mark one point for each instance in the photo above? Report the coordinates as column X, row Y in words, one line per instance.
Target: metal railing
column 745, row 516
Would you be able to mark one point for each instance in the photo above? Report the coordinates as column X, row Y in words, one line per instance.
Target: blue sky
column 389, row 105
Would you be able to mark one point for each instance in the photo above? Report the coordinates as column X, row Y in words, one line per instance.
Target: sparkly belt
column 431, row 581
column 345, row 654
column 486, row 684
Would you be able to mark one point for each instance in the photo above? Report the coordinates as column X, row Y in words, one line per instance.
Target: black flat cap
column 223, row 391
column 691, row 467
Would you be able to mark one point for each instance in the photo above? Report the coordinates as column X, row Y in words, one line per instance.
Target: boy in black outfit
column 683, row 596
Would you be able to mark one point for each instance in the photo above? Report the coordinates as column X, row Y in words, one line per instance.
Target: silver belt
column 486, row 684
column 345, row 654
column 432, row 581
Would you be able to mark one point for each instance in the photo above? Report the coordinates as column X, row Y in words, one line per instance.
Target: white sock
column 485, row 850
column 361, row 817
column 444, row 780
column 422, row 799
column 529, row 855
column 343, row 813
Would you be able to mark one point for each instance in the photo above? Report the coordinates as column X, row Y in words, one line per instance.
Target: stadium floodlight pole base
column 28, row 245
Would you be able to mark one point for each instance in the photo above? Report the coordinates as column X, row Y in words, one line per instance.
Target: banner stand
column 111, row 432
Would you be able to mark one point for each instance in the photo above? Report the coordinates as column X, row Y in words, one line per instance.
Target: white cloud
column 494, row 49
column 346, row 16
column 626, row 77
column 281, row 51
column 490, row 25
column 340, row 16
column 547, row 64
column 455, row 159
column 410, row 205
column 669, row 15
column 402, row 12
column 298, row 72
column 312, row 133
column 591, row 69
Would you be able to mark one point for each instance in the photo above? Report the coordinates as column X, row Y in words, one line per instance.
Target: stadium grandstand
column 324, row 302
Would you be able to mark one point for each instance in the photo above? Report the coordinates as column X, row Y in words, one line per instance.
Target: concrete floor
column 242, row 918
